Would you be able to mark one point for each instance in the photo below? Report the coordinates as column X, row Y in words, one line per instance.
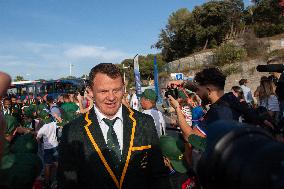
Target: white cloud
column 94, row 52
column 44, row 60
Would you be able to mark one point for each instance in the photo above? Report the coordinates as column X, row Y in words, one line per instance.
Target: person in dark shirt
column 210, row 88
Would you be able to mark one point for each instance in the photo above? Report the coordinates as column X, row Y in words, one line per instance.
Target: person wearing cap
column 19, row 165
column 69, row 109
column 50, row 143
column 148, row 103
column 54, row 109
column 29, row 115
column 173, row 149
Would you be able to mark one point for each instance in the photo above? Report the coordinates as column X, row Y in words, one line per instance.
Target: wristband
column 172, row 172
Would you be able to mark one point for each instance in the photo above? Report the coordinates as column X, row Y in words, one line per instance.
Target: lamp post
column 124, row 79
column 70, row 69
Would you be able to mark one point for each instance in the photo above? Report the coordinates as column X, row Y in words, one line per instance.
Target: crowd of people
column 108, row 138
column 42, row 119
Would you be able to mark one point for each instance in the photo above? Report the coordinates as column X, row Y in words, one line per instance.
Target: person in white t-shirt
column 148, row 103
column 50, row 143
column 134, row 103
column 247, row 92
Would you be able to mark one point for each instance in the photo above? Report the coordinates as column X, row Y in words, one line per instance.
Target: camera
column 172, row 91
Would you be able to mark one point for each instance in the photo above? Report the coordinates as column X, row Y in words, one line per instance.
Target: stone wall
column 275, row 44
column 192, row 61
column 247, row 71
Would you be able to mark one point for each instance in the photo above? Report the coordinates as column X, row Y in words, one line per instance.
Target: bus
column 54, row 88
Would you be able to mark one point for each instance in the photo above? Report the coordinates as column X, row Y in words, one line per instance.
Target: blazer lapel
column 96, row 137
column 127, row 130
column 96, row 131
column 98, row 143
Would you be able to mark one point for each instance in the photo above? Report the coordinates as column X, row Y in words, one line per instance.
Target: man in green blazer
column 111, row 146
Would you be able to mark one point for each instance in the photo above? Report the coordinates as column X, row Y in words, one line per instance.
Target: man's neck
column 217, row 96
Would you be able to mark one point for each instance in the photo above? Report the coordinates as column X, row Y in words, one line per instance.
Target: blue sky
column 40, row 38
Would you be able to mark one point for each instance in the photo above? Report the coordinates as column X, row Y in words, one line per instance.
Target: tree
column 173, row 39
column 146, row 67
column 206, row 27
column 265, row 17
column 19, row 78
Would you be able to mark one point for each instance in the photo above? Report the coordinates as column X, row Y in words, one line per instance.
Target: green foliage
column 268, row 29
column 228, row 53
column 253, row 45
column 146, row 67
column 232, row 69
column 19, row 78
column 68, row 77
column 265, row 17
column 205, row 27
column 276, row 53
column 215, row 21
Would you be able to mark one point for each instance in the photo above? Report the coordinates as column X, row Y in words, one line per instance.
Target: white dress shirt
column 118, row 125
column 158, row 119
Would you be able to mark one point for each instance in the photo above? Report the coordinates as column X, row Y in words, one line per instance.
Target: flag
column 156, row 76
column 137, row 76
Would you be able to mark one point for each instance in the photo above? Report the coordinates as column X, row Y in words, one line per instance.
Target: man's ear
column 209, row 90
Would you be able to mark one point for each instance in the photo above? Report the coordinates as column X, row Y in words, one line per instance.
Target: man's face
column 143, row 103
column 7, row 104
column 107, row 94
column 14, row 100
column 203, row 93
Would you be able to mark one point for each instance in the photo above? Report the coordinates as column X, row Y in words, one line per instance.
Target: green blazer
column 85, row 161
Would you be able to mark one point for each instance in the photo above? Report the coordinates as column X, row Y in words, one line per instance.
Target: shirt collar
column 101, row 116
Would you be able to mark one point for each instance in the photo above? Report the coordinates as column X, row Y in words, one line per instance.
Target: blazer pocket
column 140, row 155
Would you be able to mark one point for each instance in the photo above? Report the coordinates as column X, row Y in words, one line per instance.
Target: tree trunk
column 206, row 43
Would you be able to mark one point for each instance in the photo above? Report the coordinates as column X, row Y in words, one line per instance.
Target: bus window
column 59, row 87
column 49, row 88
column 69, row 88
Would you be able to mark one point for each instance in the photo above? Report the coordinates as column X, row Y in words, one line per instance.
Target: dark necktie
column 112, row 141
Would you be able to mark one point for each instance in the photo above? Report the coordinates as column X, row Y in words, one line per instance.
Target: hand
column 168, row 163
column 191, row 103
column 79, row 97
column 174, row 103
column 20, row 130
column 268, row 124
